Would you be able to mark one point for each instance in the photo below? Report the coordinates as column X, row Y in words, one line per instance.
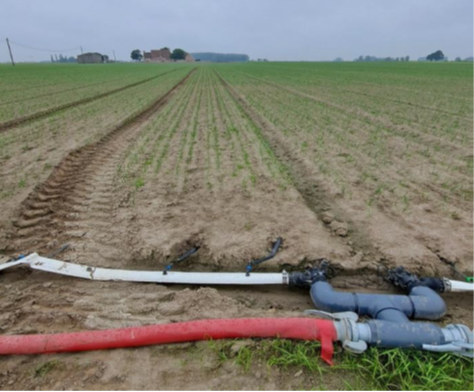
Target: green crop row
column 202, row 128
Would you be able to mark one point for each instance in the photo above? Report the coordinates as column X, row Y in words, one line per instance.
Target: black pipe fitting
column 406, row 280
column 310, row 276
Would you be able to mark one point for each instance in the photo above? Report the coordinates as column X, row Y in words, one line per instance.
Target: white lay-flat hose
column 45, row 264
column 458, row 286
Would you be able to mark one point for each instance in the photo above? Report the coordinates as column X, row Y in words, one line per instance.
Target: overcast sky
column 273, row 29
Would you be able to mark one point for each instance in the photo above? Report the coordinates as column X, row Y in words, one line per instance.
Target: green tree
column 178, row 54
column 136, row 55
column 435, row 56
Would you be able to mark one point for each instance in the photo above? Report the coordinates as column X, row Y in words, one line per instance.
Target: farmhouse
column 92, row 58
column 162, row 56
column 157, row 56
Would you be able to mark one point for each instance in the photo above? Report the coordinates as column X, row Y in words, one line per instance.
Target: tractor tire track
column 45, row 113
column 82, row 183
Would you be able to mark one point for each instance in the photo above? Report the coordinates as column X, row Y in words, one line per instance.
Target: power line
column 44, row 50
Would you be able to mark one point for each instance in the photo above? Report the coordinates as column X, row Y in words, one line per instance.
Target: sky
column 285, row 30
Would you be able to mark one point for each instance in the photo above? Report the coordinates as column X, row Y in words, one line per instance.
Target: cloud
column 278, row 30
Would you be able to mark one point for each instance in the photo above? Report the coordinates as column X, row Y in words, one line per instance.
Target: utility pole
column 82, row 52
column 115, row 58
column 10, row 50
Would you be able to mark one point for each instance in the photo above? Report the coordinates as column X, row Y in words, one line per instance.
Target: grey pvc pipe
column 391, row 327
column 407, row 334
column 421, row 303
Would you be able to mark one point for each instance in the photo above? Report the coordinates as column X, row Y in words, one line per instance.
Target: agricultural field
column 391, row 148
column 34, row 89
column 368, row 165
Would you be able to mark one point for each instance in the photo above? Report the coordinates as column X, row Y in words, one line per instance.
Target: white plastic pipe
column 40, row 263
column 456, row 286
column 10, row 264
column 45, row 264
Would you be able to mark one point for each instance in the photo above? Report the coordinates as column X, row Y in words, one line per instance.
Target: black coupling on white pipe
column 406, row 280
column 311, row 275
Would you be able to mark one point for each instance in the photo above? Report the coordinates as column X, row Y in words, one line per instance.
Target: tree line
column 435, row 56
column 62, row 59
column 220, row 57
column 373, row 58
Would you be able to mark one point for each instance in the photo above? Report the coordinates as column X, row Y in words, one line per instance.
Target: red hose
column 285, row 328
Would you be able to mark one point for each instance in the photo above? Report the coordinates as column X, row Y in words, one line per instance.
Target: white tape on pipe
column 104, row 274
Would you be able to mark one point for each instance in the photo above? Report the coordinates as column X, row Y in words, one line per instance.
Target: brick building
column 157, row 56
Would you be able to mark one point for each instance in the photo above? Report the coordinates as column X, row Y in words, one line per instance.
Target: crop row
column 202, row 127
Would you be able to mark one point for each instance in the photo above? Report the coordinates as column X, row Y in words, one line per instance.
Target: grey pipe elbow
column 326, row 298
column 428, row 305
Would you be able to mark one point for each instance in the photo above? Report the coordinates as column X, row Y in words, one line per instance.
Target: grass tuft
column 376, row 369
column 397, row 369
column 139, row 182
column 46, row 367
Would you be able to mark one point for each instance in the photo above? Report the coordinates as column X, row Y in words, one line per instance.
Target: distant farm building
column 92, row 58
column 157, row 56
column 162, row 56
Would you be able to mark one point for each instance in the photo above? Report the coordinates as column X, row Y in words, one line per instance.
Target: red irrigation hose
column 285, row 328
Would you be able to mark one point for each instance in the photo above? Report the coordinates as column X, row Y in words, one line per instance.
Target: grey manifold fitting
column 390, row 326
